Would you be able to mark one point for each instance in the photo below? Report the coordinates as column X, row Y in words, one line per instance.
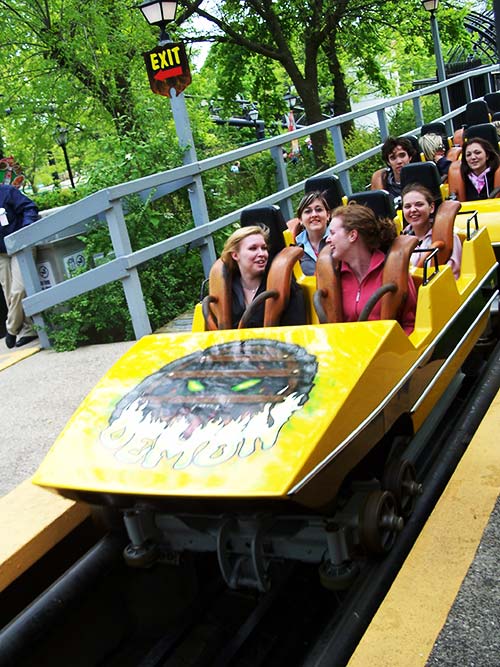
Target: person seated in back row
column 314, row 215
column 246, row 254
column 418, row 211
column 396, row 152
column 478, row 166
column 359, row 240
column 434, row 151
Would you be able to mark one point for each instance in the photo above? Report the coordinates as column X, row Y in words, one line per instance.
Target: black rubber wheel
column 337, row 577
column 379, row 522
column 400, row 479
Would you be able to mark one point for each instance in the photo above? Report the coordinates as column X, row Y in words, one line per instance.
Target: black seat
column 380, row 202
column 425, row 173
column 273, row 219
column 493, row 101
column 477, row 112
column 484, row 131
column 417, row 155
column 329, row 186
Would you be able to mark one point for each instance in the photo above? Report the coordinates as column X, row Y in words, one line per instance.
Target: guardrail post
column 382, row 124
column 340, row 156
column 417, row 110
column 195, row 191
column 31, row 281
column 286, row 206
column 132, row 284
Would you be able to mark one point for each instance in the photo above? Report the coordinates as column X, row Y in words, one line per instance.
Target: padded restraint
column 442, row 231
column 217, row 306
column 279, row 280
column 328, row 295
column 396, row 271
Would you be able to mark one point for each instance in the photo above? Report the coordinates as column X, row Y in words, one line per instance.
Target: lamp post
column 169, row 72
column 253, row 115
column 61, row 138
column 431, row 6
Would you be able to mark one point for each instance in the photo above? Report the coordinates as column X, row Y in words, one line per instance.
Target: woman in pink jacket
column 359, row 241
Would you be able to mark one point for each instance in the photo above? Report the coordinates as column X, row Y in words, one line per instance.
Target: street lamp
column 431, row 6
column 159, row 12
column 290, row 99
column 61, row 138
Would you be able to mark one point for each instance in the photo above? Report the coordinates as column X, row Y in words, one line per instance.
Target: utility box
column 59, row 260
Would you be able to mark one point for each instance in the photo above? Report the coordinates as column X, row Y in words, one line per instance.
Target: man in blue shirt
column 16, row 211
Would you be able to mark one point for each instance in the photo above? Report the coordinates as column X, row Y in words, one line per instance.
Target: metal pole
column 441, row 73
column 68, row 167
column 196, row 192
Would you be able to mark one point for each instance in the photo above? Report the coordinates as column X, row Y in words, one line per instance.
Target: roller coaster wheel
column 337, row 577
column 400, row 479
column 379, row 522
column 143, row 555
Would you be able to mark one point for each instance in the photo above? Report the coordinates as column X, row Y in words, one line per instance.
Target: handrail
column 107, row 205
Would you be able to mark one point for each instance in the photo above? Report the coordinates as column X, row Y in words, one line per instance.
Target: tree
column 304, row 38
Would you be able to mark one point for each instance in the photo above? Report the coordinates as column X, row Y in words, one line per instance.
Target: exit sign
column 167, row 67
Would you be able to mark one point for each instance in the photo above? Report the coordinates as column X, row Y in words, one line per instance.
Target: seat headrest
column 272, row 218
column 438, row 127
column 425, row 173
column 329, row 186
column 493, row 101
column 477, row 112
column 380, row 202
column 416, row 147
column 484, row 131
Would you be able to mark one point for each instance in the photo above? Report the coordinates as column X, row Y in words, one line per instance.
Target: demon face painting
column 228, row 400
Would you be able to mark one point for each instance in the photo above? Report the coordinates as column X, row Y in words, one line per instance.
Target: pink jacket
column 355, row 295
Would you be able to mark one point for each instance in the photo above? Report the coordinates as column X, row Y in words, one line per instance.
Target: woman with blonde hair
column 358, row 240
column 434, row 151
column 246, row 254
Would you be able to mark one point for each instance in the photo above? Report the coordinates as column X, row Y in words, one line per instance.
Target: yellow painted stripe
column 10, row 357
column 32, row 521
column 410, row 618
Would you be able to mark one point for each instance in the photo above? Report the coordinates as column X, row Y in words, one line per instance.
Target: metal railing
column 108, row 205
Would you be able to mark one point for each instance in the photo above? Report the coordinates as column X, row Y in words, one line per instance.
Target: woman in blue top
column 314, row 216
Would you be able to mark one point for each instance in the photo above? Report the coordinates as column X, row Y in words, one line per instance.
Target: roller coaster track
column 168, row 615
column 481, row 25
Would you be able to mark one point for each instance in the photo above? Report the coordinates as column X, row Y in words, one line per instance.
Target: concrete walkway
column 40, row 390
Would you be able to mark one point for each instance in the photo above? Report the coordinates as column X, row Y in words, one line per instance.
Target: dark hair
column 308, row 199
column 391, row 143
column 375, row 232
column 492, row 158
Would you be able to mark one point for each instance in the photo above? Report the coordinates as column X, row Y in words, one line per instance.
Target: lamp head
column 61, row 136
column 253, row 114
column 159, row 12
column 430, row 5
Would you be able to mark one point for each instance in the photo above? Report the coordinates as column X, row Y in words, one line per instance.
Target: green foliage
column 359, row 141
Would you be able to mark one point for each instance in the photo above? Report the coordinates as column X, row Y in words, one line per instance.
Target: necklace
column 249, row 289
